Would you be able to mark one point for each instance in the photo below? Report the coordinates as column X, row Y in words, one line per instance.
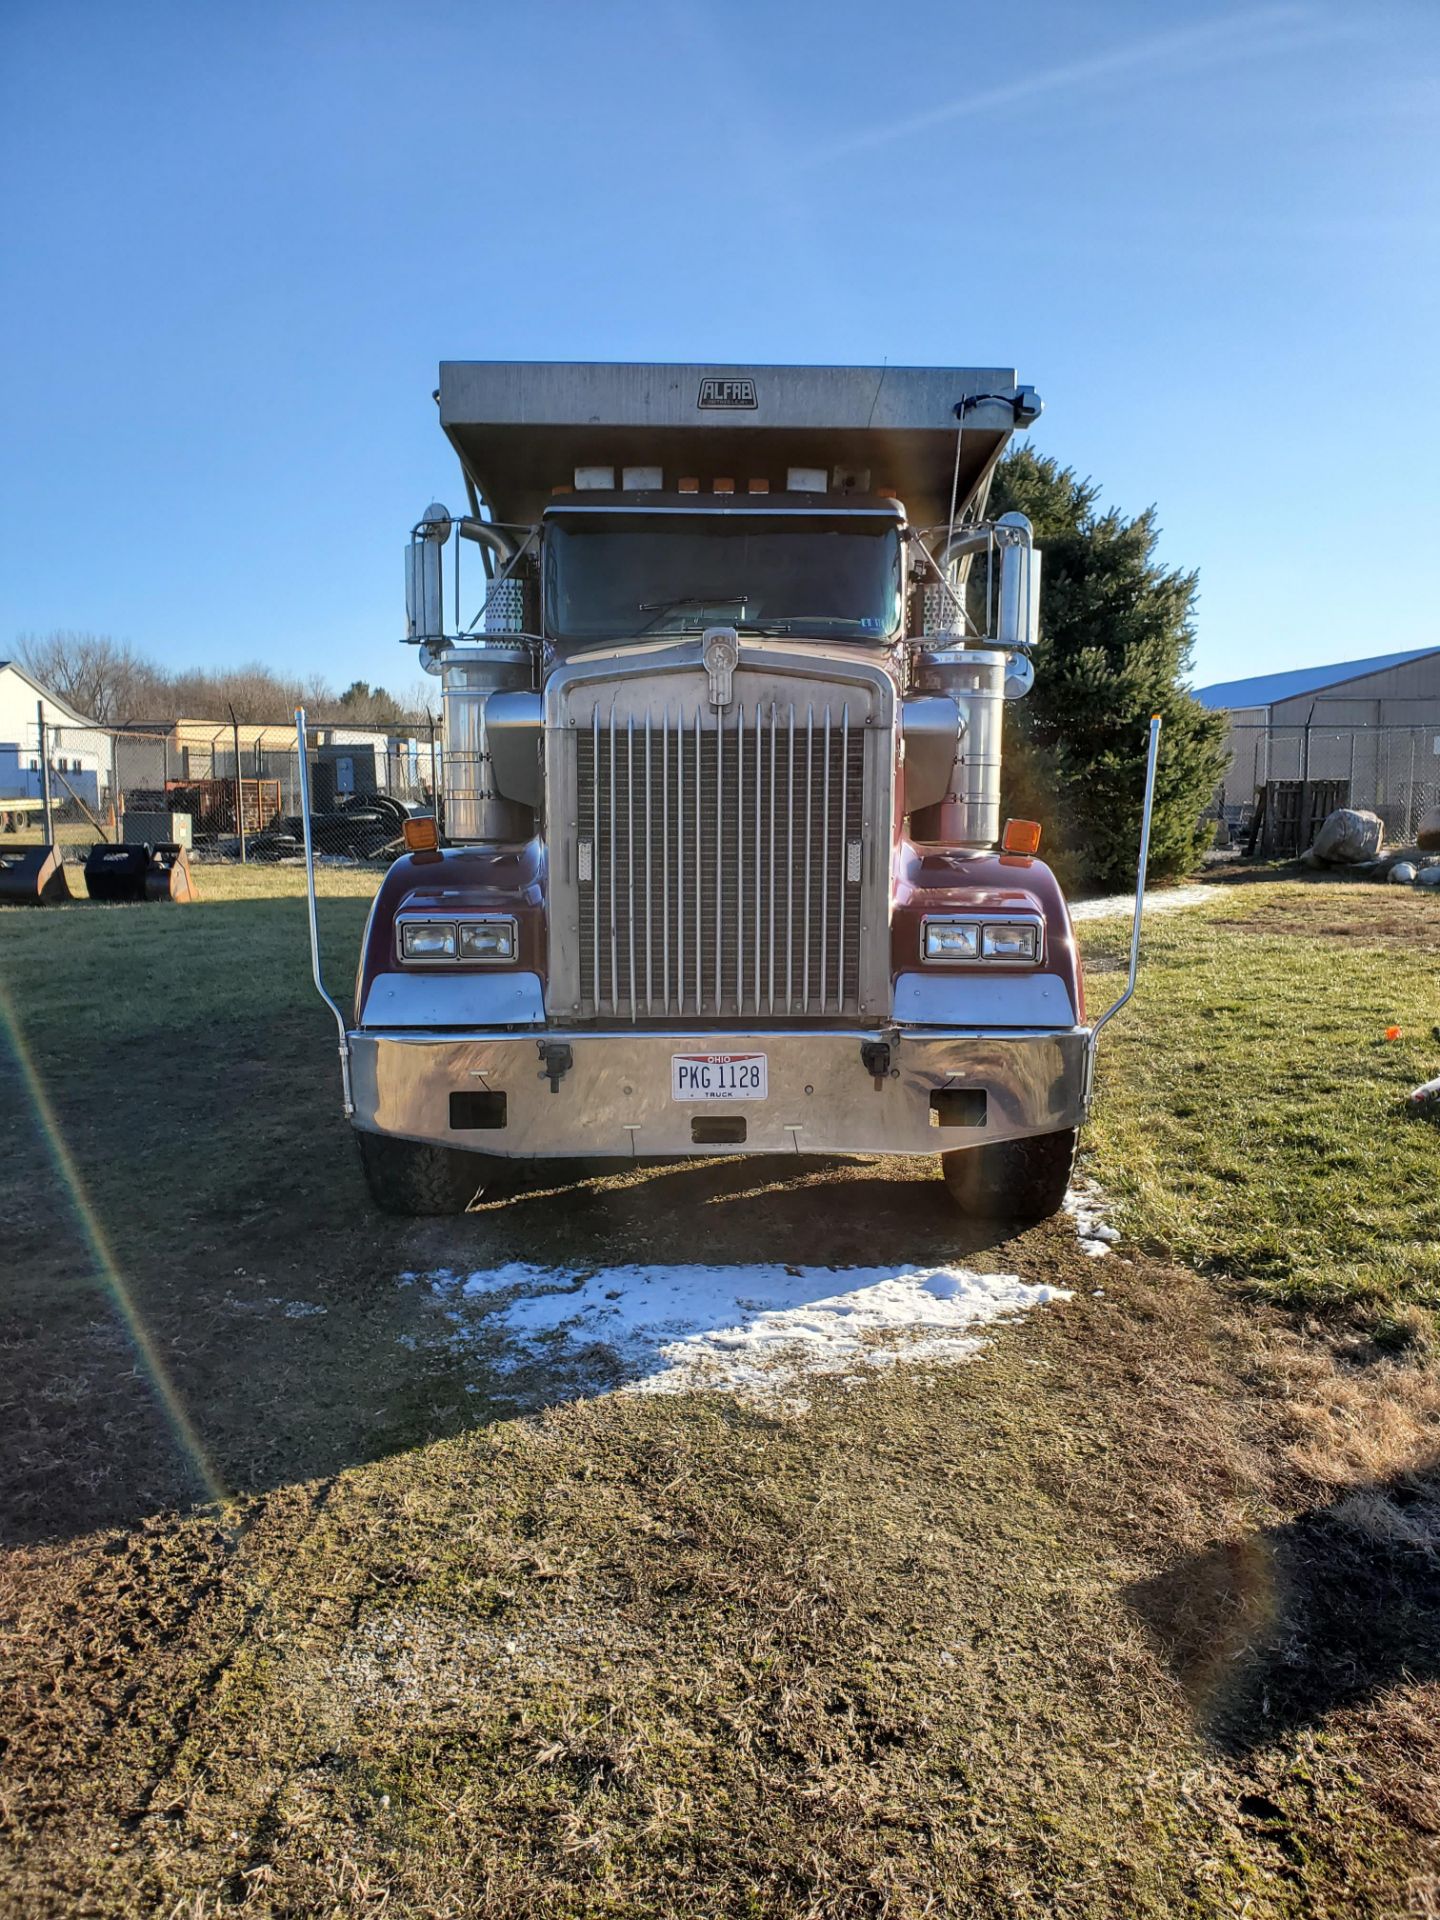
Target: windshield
column 621, row 577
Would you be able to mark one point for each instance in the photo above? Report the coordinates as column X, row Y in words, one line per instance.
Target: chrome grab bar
column 348, row 1100
column 1145, row 818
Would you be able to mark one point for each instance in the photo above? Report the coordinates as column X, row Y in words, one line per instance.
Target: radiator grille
column 719, row 861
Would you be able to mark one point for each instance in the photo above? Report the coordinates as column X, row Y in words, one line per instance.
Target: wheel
column 407, row 1177
column 1022, row 1180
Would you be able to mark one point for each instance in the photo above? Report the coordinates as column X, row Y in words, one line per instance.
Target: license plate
column 719, row 1076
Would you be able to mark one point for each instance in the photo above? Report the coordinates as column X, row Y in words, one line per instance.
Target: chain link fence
column 231, row 791
column 225, row 791
column 1392, row 771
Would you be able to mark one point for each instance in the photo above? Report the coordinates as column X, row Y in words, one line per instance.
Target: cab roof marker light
column 806, row 480
column 688, row 485
column 641, row 479
column 724, row 486
column 759, row 486
column 594, row 479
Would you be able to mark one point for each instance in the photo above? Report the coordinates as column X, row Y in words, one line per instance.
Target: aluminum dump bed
column 521, row 428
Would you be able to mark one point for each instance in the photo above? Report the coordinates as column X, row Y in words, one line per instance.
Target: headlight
column 1011, row 943
column 971, row 941
column 428, row 940
column 951, row 940
column 487, row 940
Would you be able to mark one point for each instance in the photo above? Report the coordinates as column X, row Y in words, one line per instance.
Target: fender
column 458, row 880
column 934, row 879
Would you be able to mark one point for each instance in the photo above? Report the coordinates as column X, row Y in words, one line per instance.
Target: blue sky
column 237, row 239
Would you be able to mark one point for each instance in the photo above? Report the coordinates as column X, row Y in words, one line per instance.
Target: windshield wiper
column 694, row 600
column 661, row 607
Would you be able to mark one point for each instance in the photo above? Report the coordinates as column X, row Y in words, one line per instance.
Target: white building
column 77, row 753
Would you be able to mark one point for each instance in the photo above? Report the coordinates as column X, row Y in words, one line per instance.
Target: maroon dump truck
column 720, row 865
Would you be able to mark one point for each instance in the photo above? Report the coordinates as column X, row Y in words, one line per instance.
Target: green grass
column 240, row 953
column 259, row 881
column 30, row 832
column 1251, row 1115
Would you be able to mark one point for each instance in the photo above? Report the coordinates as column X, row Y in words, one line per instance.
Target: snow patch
column 751, row 1330
column 1090, row 1210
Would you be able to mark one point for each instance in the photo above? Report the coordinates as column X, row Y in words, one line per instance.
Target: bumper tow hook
column 556, row 1060
column 875, row 1058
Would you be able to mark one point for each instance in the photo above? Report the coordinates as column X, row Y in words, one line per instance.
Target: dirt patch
column 1394, row 918
column 679, row 1655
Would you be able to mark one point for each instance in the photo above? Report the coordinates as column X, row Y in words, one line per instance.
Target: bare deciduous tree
column 104, row 679
column 109, row 682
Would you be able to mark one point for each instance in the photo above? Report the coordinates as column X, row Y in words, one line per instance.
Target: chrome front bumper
column 613, row 1098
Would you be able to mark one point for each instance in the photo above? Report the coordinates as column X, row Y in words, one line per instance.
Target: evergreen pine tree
column 1114, row 647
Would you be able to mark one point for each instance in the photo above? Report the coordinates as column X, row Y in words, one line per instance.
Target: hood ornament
column 720, row 651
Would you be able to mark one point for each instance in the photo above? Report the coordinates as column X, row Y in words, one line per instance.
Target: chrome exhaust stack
column 470, row 674
column 974, row 679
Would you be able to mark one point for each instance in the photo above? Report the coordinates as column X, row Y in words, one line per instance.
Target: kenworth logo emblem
column 718, row 392
column 720, row 650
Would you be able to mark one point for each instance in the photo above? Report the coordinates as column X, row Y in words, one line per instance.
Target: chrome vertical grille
column 719, row 859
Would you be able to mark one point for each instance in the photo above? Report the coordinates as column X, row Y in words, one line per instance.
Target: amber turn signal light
column 422, row 836
column 1021, row 836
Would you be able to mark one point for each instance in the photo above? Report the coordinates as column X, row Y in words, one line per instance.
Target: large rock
column 1348, row 838
column 1403, row 873
column 1428, row 838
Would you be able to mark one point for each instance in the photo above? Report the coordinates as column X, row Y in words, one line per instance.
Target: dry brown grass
column 1354, row 1424
column 1348, row 913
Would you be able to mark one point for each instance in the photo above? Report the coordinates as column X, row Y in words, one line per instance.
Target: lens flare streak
column 106, row 1268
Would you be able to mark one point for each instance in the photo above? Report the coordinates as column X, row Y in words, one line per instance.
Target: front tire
column 409, row 1178
column 1015, row 1180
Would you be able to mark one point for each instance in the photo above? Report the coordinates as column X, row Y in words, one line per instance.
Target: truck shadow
column 755, row 1209
column 1274, row 1631
column 256, row 1331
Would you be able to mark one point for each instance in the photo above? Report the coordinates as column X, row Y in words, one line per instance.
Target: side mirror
column 424, row 594
column 1018, row 624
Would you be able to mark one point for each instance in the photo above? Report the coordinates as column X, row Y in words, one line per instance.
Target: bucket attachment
column 117, row 873
column 33, row 876
column 169, row 876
